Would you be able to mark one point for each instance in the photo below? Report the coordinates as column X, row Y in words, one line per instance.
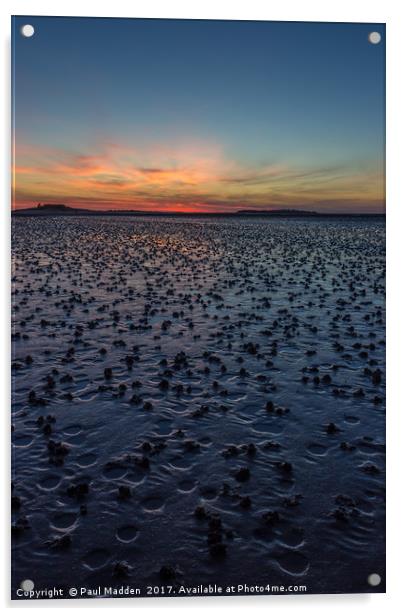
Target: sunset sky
column 198, row 115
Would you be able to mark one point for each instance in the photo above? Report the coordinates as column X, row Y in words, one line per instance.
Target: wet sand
column 198, row 401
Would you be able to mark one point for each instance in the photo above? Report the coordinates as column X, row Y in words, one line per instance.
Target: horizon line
column 59, row 208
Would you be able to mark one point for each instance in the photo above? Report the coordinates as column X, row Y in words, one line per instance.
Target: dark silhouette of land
column 59, row 209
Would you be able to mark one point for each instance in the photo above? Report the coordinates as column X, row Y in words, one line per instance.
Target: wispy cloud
column 187, row 177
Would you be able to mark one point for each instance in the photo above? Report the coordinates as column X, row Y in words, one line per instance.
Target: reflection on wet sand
column 198, row 401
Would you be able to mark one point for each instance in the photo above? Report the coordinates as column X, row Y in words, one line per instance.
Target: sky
column 198, row 116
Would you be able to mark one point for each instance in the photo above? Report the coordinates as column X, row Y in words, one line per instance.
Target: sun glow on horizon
column 151, row 122
column 187, row 178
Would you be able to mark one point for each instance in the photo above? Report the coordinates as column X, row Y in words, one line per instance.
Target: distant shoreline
column 63, row 210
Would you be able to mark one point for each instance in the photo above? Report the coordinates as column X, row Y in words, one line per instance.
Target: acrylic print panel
column 198, row 369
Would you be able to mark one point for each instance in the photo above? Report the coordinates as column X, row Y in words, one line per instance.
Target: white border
column 387, row 11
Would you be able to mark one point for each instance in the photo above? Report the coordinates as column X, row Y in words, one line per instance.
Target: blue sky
column 199, row 115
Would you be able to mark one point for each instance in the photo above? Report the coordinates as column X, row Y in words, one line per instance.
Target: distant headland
column 60, row 209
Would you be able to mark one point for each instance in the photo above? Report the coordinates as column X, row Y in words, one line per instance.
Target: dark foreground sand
column 198, row 401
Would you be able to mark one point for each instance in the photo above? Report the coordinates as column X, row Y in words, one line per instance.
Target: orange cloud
column 186, row 177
